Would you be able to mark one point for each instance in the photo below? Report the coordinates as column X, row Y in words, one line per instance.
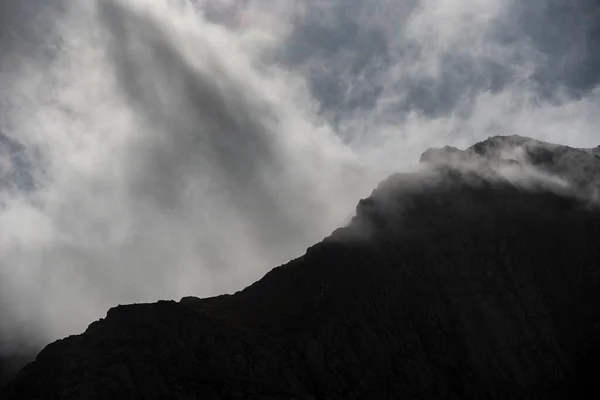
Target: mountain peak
column 451, row 282
column 578, row 168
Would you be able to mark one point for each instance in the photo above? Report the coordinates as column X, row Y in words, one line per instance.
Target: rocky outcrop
column 580, row 168
column 447, row 284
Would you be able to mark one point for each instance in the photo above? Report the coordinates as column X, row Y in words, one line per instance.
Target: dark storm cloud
column 359, row 40
column 567, row 34
column 333, row 45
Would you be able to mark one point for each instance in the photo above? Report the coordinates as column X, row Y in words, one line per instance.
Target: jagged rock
column 446, row 154
column 580, row 168
column 447, row 284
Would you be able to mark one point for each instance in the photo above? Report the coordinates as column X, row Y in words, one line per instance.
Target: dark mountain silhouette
column 474, row 278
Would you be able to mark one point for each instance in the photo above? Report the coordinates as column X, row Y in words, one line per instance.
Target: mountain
column 580, row 168
column 476, row 277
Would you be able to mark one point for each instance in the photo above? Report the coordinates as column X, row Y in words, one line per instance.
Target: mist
column 154, row 149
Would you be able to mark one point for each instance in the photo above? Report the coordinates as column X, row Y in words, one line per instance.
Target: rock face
column 451, row 283
column 579, row 167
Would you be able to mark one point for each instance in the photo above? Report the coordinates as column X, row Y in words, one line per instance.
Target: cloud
column 174, row 164
column 185, row 148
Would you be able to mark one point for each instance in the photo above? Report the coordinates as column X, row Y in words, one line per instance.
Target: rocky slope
column 454, row 282
column 580, row 168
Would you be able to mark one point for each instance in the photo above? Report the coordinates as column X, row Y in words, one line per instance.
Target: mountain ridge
column 458, row 281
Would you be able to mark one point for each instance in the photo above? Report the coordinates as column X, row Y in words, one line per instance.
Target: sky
column 154, row 149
